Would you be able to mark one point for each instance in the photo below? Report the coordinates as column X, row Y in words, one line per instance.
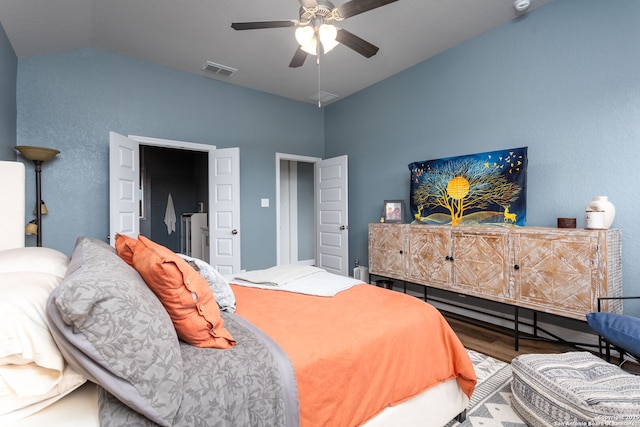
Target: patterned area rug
column 490, row 404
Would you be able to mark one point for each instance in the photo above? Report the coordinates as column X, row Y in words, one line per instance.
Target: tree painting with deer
column 479, row 189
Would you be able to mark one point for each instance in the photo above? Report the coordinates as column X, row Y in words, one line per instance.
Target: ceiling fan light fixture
column 310, row 47
column 327, row 34
column 329, row 45
column 304, row 35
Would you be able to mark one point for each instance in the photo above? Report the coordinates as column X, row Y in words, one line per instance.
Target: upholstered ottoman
column 574, row 389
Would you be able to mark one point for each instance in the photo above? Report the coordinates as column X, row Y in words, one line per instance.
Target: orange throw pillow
column 184, row 293
column 125, row 246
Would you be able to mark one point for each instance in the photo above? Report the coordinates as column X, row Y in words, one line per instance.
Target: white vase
column 599, row 213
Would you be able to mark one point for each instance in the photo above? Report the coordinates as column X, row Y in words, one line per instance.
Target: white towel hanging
column 170, row 216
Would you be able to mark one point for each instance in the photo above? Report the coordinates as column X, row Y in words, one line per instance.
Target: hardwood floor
column 498, row 342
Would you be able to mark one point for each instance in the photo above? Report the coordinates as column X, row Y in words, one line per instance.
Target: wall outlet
column 264, row 203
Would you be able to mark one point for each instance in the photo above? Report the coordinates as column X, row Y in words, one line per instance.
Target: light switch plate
column 264, row 203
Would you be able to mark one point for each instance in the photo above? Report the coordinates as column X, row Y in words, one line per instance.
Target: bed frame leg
column 461, row 416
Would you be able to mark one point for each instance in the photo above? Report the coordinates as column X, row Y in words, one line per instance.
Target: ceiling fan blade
column 298, row 58
column 356, row 7
column 308, row 3
column 262, row 24
column 355, row 43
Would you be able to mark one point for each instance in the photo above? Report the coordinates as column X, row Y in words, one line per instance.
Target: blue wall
column 8, row 73
column 70, row 101
column 563, row 80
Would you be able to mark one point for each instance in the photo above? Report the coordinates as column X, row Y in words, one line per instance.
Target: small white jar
column 599, row 213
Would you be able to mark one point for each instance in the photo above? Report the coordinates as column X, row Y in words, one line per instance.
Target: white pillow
column 35, row 259
column 24, row 331
column 14, row 406
column 32, row 368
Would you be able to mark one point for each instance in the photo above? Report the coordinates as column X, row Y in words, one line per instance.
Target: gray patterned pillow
column 222, row 292
column 111, row 327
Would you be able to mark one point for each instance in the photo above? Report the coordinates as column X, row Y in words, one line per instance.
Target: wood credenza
column 550, row 270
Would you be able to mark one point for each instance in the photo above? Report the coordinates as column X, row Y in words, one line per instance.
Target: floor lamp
column 38, row 155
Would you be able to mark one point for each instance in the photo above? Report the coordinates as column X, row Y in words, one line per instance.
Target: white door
column 124, row 182
column 332, row 216
column 224, row 220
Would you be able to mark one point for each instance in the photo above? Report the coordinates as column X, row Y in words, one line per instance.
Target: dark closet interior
column 165, row 171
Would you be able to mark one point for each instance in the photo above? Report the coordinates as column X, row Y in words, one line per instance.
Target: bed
column 381, row 358
column 354, row 359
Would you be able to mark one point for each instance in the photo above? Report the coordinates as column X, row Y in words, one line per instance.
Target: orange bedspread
column 358, row 352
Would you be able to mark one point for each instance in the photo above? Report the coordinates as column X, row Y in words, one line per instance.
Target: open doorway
column 223, row 181
column 295, row 209
column 173, row 181
column 330, row 211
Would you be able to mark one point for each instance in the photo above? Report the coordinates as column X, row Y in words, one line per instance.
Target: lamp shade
column 43, row 208
column 31, row 227
column 42, row 154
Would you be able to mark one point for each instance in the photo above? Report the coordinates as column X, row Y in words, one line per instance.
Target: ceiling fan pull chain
column 318, row 62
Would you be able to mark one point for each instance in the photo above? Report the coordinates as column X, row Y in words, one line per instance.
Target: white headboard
column 12, row 219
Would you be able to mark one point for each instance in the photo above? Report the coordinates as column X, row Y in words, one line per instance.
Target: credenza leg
column 516, row 325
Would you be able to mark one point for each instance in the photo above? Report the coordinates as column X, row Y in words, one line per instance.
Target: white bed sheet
column 320, row 283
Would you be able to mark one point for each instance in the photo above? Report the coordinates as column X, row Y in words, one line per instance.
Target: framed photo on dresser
column 393, row 211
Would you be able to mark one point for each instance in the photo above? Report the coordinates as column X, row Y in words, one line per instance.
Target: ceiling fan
column 316, row 24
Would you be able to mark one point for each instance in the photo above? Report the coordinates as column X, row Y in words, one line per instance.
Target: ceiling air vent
column 323, row 96
column 221, row 70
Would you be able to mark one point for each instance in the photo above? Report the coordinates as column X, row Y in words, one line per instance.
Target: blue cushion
column 619, row 329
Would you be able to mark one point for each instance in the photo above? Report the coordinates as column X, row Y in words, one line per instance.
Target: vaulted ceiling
column 186, row 34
